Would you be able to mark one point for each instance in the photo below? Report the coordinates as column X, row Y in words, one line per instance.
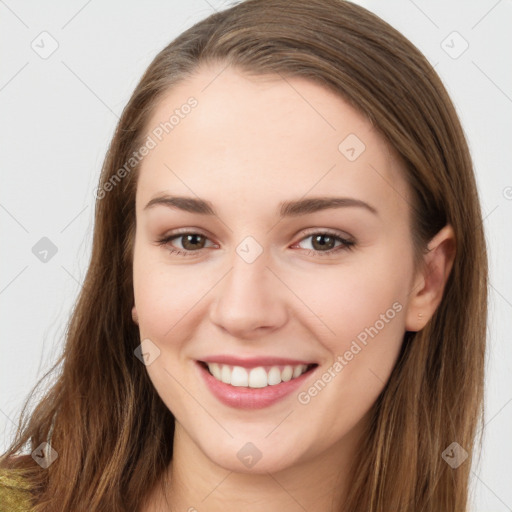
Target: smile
column 257, row 377
column 253, row 382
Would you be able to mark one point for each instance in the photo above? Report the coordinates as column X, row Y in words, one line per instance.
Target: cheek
column 164, row 294
column 364, row 307
column 350, row 298
column 166, row 298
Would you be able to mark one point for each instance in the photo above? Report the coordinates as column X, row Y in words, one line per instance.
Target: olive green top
column 14, row 492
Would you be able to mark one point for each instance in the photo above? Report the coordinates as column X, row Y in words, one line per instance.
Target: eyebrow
column 293, row 208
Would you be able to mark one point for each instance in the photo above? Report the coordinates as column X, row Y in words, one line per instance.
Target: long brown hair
column 112, row 432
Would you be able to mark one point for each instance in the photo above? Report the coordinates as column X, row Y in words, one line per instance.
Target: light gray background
column 59, row 114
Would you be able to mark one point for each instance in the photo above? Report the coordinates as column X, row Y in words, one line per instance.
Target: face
column 301, row 304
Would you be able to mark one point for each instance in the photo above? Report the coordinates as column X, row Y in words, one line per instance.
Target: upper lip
column 252, row 362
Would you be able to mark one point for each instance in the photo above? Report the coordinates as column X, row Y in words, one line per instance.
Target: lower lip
column 251, row 398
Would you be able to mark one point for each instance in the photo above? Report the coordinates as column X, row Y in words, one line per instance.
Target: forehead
column 268, row 137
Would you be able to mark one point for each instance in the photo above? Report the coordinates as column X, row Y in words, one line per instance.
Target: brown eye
column 323, row 241
column 326, row 244
column 192, row 241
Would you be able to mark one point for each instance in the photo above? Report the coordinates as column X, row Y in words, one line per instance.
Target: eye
column 191, row 242
column 323, row 243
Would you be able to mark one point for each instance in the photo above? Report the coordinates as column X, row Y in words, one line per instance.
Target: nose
column 251, row 301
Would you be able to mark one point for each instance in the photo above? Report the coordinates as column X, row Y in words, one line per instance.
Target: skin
column 251, row 143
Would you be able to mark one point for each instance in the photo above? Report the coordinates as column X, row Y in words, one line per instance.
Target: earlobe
column 135, row 317
column 429, row 285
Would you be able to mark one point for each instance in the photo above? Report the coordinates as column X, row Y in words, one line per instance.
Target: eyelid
column 302, row 233
column 348, row 242
column 326, row 231
column 184, row 231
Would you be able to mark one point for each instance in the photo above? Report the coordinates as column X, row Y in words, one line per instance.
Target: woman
column 285, row 307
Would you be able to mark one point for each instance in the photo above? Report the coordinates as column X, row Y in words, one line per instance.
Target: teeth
column 297, row 371
column 287, row 373
column 225, row 375
column 257, row 377
column 239, row 377
column 274, row 376
column 216, row 371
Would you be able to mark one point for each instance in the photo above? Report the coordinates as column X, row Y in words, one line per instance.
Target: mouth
column 256, row 382
column 256, row 377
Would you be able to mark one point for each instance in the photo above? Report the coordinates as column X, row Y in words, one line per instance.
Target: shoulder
column 14, row 491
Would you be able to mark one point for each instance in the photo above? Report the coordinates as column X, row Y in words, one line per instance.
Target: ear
column 135, row 317
column 429, row 283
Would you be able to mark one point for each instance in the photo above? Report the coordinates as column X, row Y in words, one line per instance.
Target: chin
column 249, row 459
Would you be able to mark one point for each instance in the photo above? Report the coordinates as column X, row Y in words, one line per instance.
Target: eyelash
column 345, row 244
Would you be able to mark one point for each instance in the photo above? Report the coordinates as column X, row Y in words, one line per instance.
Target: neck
column 194, row 483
